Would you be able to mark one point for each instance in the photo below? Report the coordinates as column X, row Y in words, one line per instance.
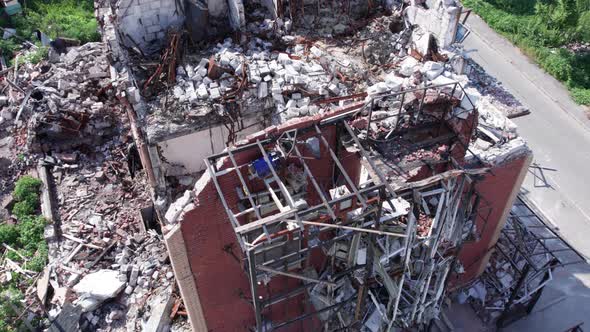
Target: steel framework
column 388, row 250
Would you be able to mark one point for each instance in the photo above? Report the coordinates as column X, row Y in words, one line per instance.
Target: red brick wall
column 498, row 192
column 219, row 278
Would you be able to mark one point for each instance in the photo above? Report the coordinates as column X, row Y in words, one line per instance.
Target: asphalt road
column 557, row 131
column 558, row 182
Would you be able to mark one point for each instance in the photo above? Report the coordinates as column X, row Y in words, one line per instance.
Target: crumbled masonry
column 266, row 165
column 348, row 137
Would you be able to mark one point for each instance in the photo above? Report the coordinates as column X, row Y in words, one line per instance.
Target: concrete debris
column 97, row 287
column 122, row 128
column 159, row 320
column 71, row 122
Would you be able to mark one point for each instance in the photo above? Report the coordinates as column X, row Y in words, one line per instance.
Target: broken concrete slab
column 160, row 315
column 98, row 287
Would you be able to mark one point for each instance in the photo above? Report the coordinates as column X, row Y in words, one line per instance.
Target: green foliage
column 39, row 260
column 9, row 234
column 556, row 62
column 57, row 18
column 541, row 28
column 565, row 14
column 8, row 47
column 31, row 232
column 35, row 56
column 583, row 29
column 26, row 194
column 581, row 96
column 25, row 187
column 65, row 18
column 10, row 298
column 26, row 237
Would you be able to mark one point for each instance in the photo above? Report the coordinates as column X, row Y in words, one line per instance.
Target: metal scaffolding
column 525, row 258
column 387, row 250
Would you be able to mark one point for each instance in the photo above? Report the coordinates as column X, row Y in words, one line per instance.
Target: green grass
column 541, row 28
column 56, row 18
column 26, row 237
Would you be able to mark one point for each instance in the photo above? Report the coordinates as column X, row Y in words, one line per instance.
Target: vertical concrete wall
column 440, row 19
column 498, row 189
column 184, row 277
column 145, row 22
column 187, row 153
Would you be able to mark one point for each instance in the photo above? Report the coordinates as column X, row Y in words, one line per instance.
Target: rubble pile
column 382, row 40
column 329, row 19
column 492, row 292
column 106, row 269
column 288, row 82
column 105, row 252
column 67, row 103
column 136, row 273
column 491, row 89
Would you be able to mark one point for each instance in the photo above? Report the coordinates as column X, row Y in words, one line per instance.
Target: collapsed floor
column 106, row 269
column 360, row 143
column 327, row 169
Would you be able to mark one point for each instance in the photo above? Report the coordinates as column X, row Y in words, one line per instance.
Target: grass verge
column 541, row 29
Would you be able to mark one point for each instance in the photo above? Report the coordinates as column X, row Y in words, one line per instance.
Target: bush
column 10, row 297
column 581, row 96
column 39, row 260
column 584, row 26
column 8, row 47
column 26, row 237
column 26, row 194
column 9, row 234
column 35, row 56
column 31, row 233
column 26, row 187
column 556, row 62
column 65, row 19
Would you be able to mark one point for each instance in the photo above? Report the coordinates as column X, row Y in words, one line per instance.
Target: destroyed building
column 314, row 165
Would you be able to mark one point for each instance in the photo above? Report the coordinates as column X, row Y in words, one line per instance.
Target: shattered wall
column 215, row 255
column 143, row 23
column 499, row 189
column 438, row 17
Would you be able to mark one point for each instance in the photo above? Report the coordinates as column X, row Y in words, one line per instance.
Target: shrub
column 65, row 19
column 26, row 187
column 557, row 63
column 35, row 56
column 26, row 237
column 26, row 194
column 8, row 47
column 9, row 234
column 584, row 26
column 39, row 260
column 10, row 298
column 25, row 208
column 31, row 232
column 581, row 96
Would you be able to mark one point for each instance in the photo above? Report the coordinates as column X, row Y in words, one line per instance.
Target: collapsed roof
column 343, row 145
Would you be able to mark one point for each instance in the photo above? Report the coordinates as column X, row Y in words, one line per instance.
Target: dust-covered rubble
column 104, row 265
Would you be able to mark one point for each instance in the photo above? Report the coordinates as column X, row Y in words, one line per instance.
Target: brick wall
column 498, row 190
column 145, row 22
column 220, row 279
